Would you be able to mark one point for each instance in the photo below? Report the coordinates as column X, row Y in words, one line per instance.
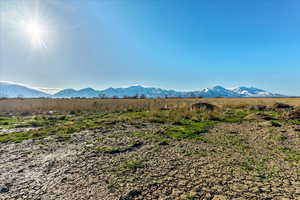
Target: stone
column 4, row 190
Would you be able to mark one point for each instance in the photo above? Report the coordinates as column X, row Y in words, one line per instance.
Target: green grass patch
column 19, row 137
column 295, row 122
column 233, row 115
column 270, row 113
column 61, row 126
column 190, row 130
column 9, row 122
column 258, row 165
column 133, row 115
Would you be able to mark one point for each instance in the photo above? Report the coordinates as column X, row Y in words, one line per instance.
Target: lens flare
column 36, row 31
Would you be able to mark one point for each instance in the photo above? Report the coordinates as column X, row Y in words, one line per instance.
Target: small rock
column 132, row 194
column 254, row 116
column 27, row 142
column 233, row 132
column 297, row 191
column 51, row 112
column 89, row 145
column 276, row 124
column 283, row 198
column 3, row 190
column 267, row 124
column 270, row 124
column 176, row 193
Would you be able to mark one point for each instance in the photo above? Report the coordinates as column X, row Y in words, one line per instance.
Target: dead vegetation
column 27, row 106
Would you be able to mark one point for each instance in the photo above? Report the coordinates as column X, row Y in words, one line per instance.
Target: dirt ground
column 251, row 159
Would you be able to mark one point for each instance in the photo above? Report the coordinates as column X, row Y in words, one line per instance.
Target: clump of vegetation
column 260, row 166
column 258, row 107
column 292, row 115
column 233, row 115
column 282, row 106
column 290, row 154
column 190, row 130
column 202, row 106
column 131, row 165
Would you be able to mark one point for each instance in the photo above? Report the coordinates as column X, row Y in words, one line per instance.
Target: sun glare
column 35, row 30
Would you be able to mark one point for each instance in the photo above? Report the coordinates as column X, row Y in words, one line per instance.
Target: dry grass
column 120, row 105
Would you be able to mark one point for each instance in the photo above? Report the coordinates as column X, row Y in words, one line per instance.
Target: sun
column 36, row 32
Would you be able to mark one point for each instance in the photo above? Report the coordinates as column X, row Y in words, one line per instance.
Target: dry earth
column 131, row 160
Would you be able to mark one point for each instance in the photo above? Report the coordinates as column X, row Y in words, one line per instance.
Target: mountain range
column 14, row 90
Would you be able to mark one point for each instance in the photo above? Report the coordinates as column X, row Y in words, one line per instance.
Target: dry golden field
column 118, row 105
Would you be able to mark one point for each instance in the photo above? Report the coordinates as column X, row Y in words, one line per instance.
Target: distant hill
column 71, row 93
column 13, row 90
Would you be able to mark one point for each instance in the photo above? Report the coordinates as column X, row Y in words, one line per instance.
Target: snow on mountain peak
column 253, row 92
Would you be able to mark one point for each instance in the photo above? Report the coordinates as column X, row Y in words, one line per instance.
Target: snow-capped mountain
column 254, row 92
column 13, row 90
column 218, row 91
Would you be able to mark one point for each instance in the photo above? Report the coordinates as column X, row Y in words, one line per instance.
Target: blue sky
column 173, row 44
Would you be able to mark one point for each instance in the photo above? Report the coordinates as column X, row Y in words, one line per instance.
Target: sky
column 172, row 44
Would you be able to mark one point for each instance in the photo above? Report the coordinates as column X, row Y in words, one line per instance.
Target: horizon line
column 44, row 89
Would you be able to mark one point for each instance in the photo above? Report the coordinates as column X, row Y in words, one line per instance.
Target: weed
column 290, row 154
column 274, row 135
column 131, row 165
column 233, row 115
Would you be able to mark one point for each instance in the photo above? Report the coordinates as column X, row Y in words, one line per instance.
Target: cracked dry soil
column 126, row 161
